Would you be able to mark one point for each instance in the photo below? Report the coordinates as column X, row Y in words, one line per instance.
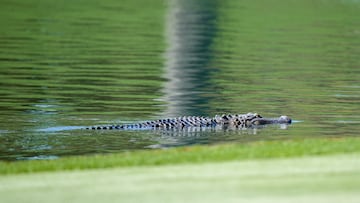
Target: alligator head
column 263, row 121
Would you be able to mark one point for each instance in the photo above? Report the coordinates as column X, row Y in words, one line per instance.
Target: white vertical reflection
column 189, row 33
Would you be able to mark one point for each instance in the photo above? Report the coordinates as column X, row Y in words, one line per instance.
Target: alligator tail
column 109, row 127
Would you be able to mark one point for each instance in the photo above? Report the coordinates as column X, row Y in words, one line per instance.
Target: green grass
column 194, row 154
column 326, row 178
column 306, row 170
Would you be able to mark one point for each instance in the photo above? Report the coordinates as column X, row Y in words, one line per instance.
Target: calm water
column 69, row 64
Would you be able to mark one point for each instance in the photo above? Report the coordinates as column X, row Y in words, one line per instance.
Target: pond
column 69, row 64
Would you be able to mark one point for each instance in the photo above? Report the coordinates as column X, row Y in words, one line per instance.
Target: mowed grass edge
column 190, row 154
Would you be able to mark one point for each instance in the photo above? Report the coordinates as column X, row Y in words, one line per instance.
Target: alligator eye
column 225, row 117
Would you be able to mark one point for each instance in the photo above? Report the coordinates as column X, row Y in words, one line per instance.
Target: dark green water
column 69, row 64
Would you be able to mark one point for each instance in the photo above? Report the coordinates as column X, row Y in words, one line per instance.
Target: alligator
column 240, row 121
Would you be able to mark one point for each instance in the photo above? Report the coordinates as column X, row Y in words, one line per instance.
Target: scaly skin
column 241, row 121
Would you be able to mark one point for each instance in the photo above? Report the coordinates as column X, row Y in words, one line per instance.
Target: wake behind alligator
column 238, row 121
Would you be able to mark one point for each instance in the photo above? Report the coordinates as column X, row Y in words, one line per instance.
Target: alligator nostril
column 285, row 119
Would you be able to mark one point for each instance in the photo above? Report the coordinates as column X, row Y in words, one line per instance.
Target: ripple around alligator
column 54, row 142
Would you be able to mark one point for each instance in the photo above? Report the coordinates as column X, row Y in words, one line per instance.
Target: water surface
column 65, row 65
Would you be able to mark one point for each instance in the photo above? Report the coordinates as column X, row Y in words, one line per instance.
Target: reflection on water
column 64, row 66
column 60, row 128
column 190, row 29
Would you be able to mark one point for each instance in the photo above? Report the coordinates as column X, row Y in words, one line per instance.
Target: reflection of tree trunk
column 190, row 29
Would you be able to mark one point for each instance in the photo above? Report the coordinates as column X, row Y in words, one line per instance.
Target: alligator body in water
column 241, row 121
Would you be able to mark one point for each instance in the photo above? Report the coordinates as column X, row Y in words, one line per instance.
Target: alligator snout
column 264, row 121
column 284, row 119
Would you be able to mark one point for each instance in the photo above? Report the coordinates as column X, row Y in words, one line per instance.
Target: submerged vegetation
column 192, row 154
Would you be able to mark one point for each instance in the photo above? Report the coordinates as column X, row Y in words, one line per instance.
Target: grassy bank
column 194, row 154
column 326, row 178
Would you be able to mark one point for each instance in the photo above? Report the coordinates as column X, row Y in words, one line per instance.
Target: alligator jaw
column 264, row 121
